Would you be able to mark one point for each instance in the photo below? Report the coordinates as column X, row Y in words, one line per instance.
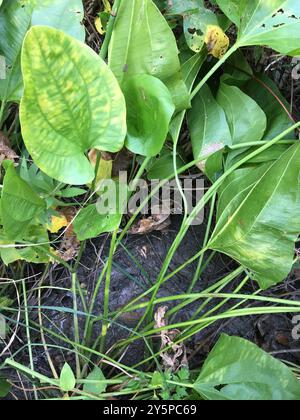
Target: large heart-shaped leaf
column 239, row 370
column 16, row 17
column 20, row 205
column 208, row 125
column 71, row 103
column 143, row 43
column 259, row 218
column 247, row 121
column 266, row 22
column 149, row 112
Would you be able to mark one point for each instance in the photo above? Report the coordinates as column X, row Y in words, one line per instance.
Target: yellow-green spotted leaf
column 71, row 104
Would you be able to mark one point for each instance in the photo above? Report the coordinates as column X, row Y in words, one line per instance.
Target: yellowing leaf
column 107, row 6
column 216, row 40
column 105, row 165
column 99, row 26
column 57, row 223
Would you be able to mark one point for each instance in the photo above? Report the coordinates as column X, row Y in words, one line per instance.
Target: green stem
column 87, row 333
column 76, row 323
column 109, row 30
column 28, row 333
column 2, row 109
column 105, row 322
column 186, row 224
column 232, row 50
column 205, row 242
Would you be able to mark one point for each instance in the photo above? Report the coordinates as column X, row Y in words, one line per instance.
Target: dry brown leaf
column 175, row 357
column 5, row 150
column 159, row 221
column 70, row 245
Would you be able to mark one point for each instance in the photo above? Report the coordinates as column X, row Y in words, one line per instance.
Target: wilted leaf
column 159, row 220
column 57, row 223
column 105, row 165
column 217, row 42
column 75, row 106
column 201, row 26
column 175, row 357
column 5, row 150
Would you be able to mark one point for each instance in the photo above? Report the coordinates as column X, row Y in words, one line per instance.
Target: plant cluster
column 78, row 108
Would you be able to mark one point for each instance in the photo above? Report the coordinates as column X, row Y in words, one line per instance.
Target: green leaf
column 246, row 120
column 238, row 370
column 190, row 70
column 149, row 112
column 90, row 224
column 33, row 254
column 259, row 218
column 72, row 103
column 162, row 167
column 5, row 387
column 208, row 125
column 106, row 215
column 143, row 43
column 274, row 23
column 14, row 23
column 16, row 17
column 65, row 15
column 98, row 383
column 196, row 19
column 71, row 192
column 267, row 95
column 20, row 205
column 67, row 379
